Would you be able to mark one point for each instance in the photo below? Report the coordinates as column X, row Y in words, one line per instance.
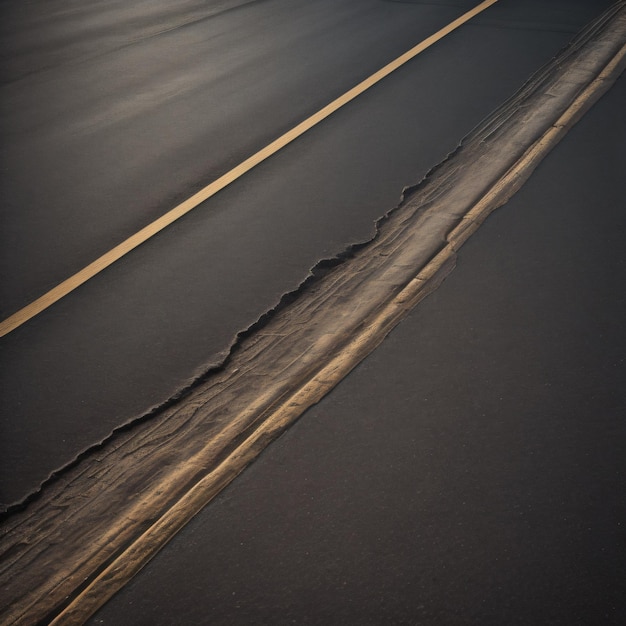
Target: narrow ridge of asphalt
column 63, row 567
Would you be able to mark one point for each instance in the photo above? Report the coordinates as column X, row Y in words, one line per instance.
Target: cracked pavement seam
column 96, row 523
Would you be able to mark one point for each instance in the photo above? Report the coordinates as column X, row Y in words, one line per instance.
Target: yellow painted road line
column 110, row 257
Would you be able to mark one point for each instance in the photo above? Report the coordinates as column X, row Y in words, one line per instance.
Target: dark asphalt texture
column 471, row 470
column 106, row 128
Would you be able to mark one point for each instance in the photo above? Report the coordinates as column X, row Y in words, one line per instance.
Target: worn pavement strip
column 73, row 282
column 94, row 527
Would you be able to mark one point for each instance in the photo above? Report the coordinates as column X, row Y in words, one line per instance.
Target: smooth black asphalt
column 471, row 470
column 103, row 132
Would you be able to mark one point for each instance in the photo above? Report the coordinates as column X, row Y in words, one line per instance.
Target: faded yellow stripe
column 110, row 257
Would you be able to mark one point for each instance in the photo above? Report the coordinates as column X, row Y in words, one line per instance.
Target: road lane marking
column 67, row 286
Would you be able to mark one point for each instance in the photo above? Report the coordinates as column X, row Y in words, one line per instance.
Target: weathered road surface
column 471, row 470
column 146, row 104
column 110, row 118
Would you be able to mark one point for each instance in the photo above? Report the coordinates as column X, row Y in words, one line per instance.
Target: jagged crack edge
column 316, row 273
column 224, row 357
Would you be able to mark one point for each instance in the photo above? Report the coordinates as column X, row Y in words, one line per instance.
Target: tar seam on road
column 92, row 531
column 67, row 286
column 130, row 562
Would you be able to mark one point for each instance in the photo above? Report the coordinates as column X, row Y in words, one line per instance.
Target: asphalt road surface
column 471, row 469
column 114, row 113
